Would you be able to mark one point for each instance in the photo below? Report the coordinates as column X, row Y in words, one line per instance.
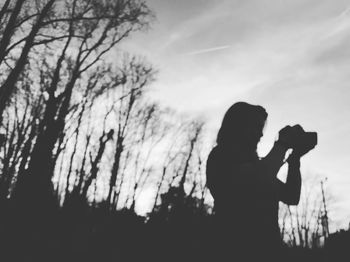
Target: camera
column 306, row 142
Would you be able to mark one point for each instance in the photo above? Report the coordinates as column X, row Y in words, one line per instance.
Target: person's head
column 242, row 128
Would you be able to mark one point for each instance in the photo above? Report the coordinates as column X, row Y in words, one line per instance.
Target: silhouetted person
column 246, row 189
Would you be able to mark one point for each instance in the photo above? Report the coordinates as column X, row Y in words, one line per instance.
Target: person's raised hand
column 289, row 136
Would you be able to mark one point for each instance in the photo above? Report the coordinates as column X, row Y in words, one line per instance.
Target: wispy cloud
column 207, row 50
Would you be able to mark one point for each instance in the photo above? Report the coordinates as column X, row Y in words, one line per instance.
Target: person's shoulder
column 214, row 155
column 217, row 161
column 214, row 169
column 212, row 158
column 213, row 151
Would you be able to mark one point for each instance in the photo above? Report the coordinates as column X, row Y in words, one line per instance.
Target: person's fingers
column 298, row 128
column 285, row 128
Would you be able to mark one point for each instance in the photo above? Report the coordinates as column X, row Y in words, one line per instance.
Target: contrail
column 339, row 23
column 344, row 13
column 208, row 50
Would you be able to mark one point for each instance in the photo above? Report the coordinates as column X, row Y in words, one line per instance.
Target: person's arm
column 290, row 191
column 263, row 173
column 273, row 161
column 267, row 168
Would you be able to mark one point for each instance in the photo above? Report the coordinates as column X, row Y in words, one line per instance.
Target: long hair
column 241, row 130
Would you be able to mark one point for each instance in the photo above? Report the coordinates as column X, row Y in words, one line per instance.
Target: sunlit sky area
column 292, row 57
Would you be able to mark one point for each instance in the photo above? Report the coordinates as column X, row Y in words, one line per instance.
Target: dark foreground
column 82, row 233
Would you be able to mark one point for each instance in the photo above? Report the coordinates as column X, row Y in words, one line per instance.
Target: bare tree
column 138, row 76
column 7, row 88
column 106, row 25
column 19, row 130
column 180, row 169
column 94, row 27
column 307, row 224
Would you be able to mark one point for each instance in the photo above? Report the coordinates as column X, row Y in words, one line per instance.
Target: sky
column 291, row 57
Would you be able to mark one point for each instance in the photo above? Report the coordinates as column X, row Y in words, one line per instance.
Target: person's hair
column 241, row 129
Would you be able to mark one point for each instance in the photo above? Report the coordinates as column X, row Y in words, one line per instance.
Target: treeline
column 82, row 143
column 80, row 137
column 75, row 121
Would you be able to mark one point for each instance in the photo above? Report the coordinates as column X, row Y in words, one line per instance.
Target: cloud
column 208, row 50
column 290, row 56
